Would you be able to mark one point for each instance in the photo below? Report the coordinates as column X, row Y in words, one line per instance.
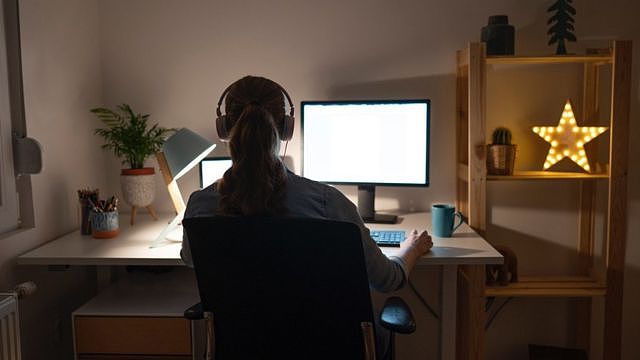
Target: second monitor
column 367, row 143
column 212, row 169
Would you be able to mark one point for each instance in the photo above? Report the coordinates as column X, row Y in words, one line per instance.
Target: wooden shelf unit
column 472, row 200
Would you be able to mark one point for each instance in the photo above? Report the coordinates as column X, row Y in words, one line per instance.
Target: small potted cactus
column 501, row 154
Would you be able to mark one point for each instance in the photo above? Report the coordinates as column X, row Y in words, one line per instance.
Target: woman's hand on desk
column 420, row 243
column 415, row 245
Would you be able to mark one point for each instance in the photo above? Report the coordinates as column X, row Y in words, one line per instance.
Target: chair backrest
column 282, row 287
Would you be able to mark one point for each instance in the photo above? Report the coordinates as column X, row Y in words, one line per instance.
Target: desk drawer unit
column 140, row 317
column 113, row 337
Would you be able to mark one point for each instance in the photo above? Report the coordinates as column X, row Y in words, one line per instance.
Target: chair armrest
column 194, row 312
column 397, row 317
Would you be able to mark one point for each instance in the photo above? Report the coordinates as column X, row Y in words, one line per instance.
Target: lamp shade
column 184, row 150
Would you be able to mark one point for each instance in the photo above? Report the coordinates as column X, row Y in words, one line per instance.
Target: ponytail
column 254, row 185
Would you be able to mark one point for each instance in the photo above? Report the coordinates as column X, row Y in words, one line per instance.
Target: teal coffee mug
column 442, row 219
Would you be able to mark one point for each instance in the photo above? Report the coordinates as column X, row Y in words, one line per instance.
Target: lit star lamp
column 180, row 153
column 567, row 139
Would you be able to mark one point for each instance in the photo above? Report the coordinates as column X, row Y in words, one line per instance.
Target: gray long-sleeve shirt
column 307, row 198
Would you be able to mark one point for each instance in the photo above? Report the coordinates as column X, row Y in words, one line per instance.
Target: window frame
column 24, row 200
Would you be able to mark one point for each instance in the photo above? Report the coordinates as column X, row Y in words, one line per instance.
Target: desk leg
column 448, row 297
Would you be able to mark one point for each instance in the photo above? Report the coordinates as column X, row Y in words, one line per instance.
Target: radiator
column 10, row 321
column 9, row 327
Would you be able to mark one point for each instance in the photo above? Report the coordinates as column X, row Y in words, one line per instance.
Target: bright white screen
column 381, row 143
column 212, row 170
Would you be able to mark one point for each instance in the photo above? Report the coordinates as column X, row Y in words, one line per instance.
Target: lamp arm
column 176, row 197
column 163, row 235
column 172, row 185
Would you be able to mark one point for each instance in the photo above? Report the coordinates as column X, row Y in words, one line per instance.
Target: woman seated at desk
column 258, row 183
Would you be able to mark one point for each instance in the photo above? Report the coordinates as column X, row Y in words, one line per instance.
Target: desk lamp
column 180, row 153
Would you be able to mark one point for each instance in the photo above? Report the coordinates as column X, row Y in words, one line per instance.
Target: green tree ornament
column 561, row 22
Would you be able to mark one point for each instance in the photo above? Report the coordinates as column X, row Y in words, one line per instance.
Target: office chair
column 286, row 288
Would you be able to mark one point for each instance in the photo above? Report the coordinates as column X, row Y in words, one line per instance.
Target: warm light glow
column 569, row 144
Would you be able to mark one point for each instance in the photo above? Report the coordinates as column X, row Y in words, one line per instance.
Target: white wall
column 61, row 68
column 172, row 59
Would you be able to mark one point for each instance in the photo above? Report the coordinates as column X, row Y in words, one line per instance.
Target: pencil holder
column 104, row 225
column 85, row 211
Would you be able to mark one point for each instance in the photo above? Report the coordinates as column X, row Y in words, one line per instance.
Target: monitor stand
column 366, row 206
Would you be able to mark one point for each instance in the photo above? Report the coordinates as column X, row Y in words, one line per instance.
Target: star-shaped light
column 568, row 139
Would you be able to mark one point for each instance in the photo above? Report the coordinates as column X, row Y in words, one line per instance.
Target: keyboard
column 387, row 237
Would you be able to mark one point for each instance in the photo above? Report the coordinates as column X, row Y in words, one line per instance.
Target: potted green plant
column 501, row 154
column 131, row 139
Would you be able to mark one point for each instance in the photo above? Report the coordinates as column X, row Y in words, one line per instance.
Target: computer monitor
column 212, row 169
column 367, row 143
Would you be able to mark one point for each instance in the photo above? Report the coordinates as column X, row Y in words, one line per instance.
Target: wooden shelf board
column 567, row 286
column 557, row 59
column 546, row 175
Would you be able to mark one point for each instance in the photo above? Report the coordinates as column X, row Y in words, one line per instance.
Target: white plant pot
column 138, row 186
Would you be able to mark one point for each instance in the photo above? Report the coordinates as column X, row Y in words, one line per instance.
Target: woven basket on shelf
column 500, row 159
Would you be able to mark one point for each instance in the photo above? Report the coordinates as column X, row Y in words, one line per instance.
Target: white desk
column 131, row 247
column 466, row 247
